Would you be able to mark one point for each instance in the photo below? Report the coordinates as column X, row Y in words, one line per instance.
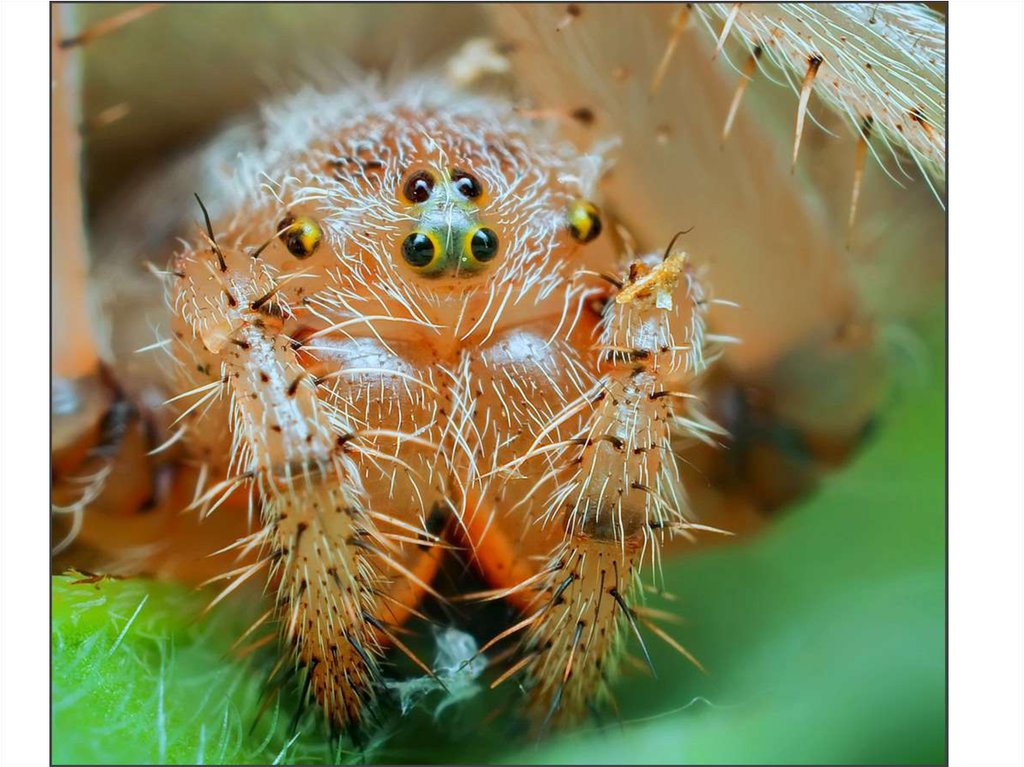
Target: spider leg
column 623, row 497
column 349, row 569
column 79, row 398
column 617, row 496
column 99, row 429
column 74, row 352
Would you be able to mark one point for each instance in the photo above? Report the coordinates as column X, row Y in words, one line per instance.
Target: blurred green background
column 824, row 641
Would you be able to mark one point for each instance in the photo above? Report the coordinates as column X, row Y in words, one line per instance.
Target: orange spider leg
column 619, row 496
column 402, row 600
column 74, row 353
column 496, row 557
column 78, row 401
column 95, row 430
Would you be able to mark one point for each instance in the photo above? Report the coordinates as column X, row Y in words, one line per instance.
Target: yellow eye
column 301, row 235
column 481, row 245
column 584, row 221
column 422, row 251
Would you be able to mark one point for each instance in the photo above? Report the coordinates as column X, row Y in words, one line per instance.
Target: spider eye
column 420, row 250
column 418, row 187
column 482, row 244
column 584, row 221
column 466, row 184
column 301, row 235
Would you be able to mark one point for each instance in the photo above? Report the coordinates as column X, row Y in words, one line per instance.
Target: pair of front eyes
column 422, row 250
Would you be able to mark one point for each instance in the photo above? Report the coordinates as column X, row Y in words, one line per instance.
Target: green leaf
column 139, row 677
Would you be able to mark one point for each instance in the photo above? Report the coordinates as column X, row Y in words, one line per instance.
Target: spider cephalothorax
column 408, row 336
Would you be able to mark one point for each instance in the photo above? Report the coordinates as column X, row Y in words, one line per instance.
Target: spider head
column 451, row 203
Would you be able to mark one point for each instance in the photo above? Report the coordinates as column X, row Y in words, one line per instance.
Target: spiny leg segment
column 339, row 565
column 617, row 498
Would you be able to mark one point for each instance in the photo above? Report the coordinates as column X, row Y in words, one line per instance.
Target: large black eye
column 418, row 186
column 418, row 249
column 484, row 244
column 466, row 184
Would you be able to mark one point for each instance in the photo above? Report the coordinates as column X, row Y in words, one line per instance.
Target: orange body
column 399, row 333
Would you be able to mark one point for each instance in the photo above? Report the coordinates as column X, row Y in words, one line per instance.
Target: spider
column 418, row 323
